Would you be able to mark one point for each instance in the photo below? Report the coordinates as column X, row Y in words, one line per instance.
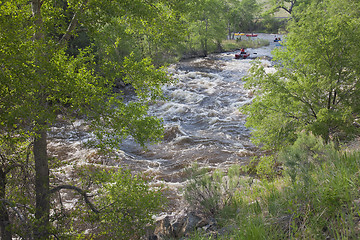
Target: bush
column 265, row 167
column 322, row 189
column 127, row 205
column 307, row 153
column 211, row 194
column 317, row 198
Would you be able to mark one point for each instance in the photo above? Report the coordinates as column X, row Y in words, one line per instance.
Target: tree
column 249, row 9
column 316, row 84
column 287, row 5
column 240, row 15
column 128, row 205
column 232, row 11
column 157, row 38
column 40, row 82
column 206, row 22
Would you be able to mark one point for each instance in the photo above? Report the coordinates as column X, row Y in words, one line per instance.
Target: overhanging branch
column 80, row 191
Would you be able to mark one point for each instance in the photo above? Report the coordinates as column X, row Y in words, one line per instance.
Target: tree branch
column 72, row 25
column 292, row 5
column 80, row 191
column 13, row 208
column 289, row 10
column 293, row 94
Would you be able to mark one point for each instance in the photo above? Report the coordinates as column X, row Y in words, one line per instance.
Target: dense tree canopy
column 41, row 82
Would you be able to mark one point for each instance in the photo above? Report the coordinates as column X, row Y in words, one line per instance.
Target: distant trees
column 292, row 7
column 210, row 21
column 316, row 84
column 249, row 11
column 206, row 24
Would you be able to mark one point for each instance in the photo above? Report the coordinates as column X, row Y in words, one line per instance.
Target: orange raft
column 242, row 55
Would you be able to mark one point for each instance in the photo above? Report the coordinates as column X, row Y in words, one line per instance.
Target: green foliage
column 315, row 86
column 307, row 153
column 254, row 228
column 317, row 198
column 310, row 154
column 212, row 194
column 322, row 188
column 149, row 30
column 232, row 45
column 240, row 15
column 57, row 83
column 16, row 177
column 270, row 24
column 206, row 25
column 249, row 10
column 263, row 167
column 127, row 205
column 42, row 80
column 293, row 7
column 209, row 21
column 266, row 167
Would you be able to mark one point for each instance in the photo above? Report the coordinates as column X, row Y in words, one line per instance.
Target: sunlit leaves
column 316, row 85
column 128, row 204
column 144, row 77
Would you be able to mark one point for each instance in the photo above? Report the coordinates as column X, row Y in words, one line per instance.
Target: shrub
column 264, row 167
column 127, row 205
column 317, row 198
column 322, row 189
column 212, row 193
column 307, row 153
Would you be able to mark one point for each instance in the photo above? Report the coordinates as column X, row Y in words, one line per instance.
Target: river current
column 201, row 117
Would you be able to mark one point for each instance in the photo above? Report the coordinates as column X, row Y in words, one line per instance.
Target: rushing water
column 202, row 120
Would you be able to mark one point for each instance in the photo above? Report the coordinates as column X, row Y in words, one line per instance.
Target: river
column 202, row 121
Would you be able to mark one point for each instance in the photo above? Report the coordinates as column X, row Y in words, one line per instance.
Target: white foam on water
column 202, row 121
column 186, row 96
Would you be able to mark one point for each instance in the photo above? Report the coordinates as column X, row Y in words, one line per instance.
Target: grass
column 317, row 197
column 232, row 45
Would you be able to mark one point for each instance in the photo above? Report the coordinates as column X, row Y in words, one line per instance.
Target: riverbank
column 315, row 198
column 233, row 45
column 262, row 40
column 310, row 192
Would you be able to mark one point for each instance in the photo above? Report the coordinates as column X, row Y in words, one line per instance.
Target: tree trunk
column 42, row 208
column 229, row 31
column 42, row 212
column 4, row 215
column 206, row 39
column 36, row 12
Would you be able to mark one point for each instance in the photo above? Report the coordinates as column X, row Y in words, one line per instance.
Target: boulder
column 179, row 225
